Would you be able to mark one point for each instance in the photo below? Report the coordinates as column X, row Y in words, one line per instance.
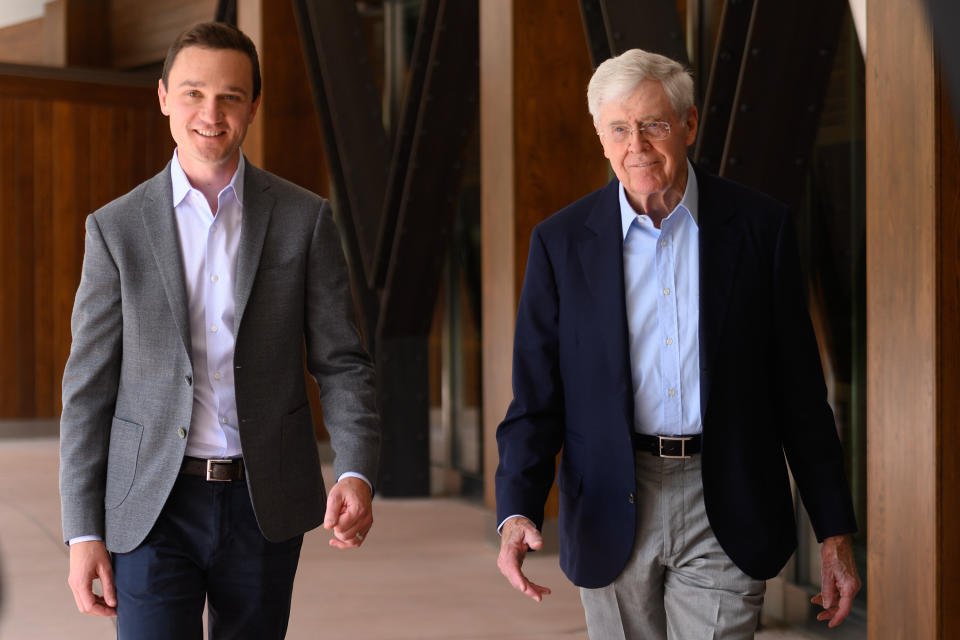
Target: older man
column 187, row 446
column 663, row 345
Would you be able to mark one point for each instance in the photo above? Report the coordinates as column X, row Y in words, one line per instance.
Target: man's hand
column 90, row 560
column 518, row 534
column 349, row 513
column 839, row 579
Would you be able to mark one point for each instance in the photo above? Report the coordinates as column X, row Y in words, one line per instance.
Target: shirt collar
column 690, row 202
column 182, row 186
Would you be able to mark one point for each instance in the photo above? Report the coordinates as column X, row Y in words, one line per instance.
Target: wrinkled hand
column 839, row 579
column 90, row 560
column 517, row 535
column 349, row 513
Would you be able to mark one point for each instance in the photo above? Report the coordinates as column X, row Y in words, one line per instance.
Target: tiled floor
column 425, row 573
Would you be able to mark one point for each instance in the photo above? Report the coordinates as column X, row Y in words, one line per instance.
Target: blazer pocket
column 300, row 459
column 122, row 461
column 569, row 481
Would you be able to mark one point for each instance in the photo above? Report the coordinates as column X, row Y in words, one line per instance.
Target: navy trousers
column 206, row 546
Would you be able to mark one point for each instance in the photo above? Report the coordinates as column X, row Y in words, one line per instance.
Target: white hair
column 618, row 77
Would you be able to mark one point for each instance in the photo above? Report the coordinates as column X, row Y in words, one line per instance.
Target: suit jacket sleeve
column 531, row 434
column 336, row 356
column 90, row 385
column 809, row 435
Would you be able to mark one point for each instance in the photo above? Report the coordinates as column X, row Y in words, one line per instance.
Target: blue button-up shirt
column 661, row 272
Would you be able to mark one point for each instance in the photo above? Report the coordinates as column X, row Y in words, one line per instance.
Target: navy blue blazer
column 761, row 383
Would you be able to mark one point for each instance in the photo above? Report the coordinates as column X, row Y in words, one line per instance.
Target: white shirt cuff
column 516, row 515
column 84, row 539
column 353, row 474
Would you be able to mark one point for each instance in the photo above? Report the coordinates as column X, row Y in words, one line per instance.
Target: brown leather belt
column 667, row 446
column 213, row 470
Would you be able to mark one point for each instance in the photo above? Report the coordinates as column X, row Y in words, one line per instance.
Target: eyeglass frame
column 641, row 128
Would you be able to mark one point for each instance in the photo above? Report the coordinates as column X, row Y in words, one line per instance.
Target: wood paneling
column 22, row 43
column 141, row 32
column 906, row 391
column 538, row 153
column 67, row 147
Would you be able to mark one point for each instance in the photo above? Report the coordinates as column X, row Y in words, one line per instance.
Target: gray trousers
column 679, row 583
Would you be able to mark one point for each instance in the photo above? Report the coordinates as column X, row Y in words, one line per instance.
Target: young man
column 189, row 466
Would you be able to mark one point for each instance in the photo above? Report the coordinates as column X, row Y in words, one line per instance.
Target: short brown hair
column 214, row 35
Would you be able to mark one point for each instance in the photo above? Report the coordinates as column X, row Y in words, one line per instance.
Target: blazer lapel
column 600, row 250
column 720, row 241
column 257, row 207
column 161, row 227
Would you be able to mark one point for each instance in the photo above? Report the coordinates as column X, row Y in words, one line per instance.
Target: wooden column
column 913, row 332
column 285, row 137
column 538, row 153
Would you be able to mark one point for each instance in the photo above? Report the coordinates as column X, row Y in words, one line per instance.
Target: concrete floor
column 425, row 572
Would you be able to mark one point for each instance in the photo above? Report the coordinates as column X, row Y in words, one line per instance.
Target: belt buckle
column 211, row 464
column 683, row 446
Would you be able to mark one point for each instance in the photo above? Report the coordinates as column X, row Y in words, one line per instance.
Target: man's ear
column 692, row 122
column 253, row 108
column 162, row 97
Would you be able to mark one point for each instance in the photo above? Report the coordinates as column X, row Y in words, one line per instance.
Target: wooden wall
column 538, row 153
column 116, row 34
column 913, row 341
column 68, row 145
column 141, row 32
column 22, row 43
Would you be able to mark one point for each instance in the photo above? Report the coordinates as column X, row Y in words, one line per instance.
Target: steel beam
column 722, row 86
column 945, row 21
column 226, row 12
column 404, row 138
column 652, row 25
column 783, row 78
column 595, row 30
column 446, row 116
column 347, row 96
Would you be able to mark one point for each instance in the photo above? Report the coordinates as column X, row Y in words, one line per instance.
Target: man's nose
column 210, row 110
column 638, row 141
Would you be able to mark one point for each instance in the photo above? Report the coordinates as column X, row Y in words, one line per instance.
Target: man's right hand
column 516, row 536
column 90, row 560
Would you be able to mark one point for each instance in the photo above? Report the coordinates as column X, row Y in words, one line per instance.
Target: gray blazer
column 127, row 386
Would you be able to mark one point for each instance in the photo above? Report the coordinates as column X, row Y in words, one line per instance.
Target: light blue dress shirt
column 661, row 273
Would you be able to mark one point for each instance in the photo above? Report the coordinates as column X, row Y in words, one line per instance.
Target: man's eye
column 193, row 94
column 619, row 130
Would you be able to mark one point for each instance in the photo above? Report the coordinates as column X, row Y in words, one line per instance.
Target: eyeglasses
column 650, row 130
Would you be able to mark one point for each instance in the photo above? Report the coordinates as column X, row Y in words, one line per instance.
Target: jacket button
column 188, row 380
column 631, row 498
column 182, row 432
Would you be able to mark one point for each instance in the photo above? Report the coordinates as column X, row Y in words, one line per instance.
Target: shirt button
column 663, row 243
column 631, row 498
column 669, row 341
column 182, row 432
column 672, row 392
column 214, row 278
column 666, row 292
column 223, row 420
column 213, row 328
column 216, row 376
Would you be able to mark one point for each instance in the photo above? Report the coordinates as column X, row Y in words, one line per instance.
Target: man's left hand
column 839, row 579
column 349, row 513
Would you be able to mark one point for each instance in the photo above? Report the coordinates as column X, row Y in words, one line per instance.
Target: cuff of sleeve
column 73, row 541
column 500, row 526
column 353, row 474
